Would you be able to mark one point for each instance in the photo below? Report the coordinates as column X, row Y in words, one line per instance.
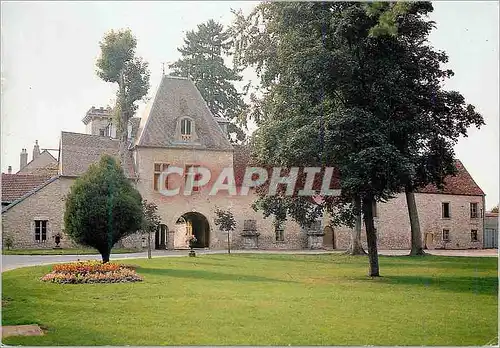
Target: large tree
column 202, row 61
column 102, row 207
column 119, row 64
column 430, row 119
column 339, row 91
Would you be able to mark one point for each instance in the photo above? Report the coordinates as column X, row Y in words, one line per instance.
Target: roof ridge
column 160, row 125
column 176, row 77
column 470, row 176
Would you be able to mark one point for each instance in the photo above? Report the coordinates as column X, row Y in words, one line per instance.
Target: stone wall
column 18, row 222
column 171, row 209
column 393, row 224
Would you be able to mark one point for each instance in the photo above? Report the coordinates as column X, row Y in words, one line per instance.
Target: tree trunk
column 149, row 245
column 355, row 247
column 228, row 243
column 105, row 256
column 122, row 126
column 371, row 237
column 416, row 234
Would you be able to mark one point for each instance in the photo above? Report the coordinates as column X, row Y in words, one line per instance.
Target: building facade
column 178, row 130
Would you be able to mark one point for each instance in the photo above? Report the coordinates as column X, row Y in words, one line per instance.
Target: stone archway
column 192, row 223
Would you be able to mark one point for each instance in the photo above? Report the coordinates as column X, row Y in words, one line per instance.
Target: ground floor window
column 473, row 235
column 40, row 230
column 446, row 235
column 279, row 231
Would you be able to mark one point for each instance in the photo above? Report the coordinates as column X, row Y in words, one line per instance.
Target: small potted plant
column 192, row 241
column 57, row 239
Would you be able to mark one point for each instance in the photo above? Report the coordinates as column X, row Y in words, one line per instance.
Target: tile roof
column 177, row 97
column 242, row 158
column 29, row 193
column 79, row 151
column 460, row 184
column 14, row 186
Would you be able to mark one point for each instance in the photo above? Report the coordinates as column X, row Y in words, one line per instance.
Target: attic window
column 186, row 129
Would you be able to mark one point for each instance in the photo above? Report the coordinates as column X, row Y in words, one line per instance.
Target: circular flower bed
column 91, row 272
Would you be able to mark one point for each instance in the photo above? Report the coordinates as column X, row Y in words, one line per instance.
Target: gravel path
column 17, row 261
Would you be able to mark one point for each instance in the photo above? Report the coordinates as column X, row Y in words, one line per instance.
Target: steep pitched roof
column 177, row 97
column 460, row 184
column 14, row 186
column 79, row 151
column 44, row 163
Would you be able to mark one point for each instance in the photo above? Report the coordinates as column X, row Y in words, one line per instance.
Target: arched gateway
column 188, row 224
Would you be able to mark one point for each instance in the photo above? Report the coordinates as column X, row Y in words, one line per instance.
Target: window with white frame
column 158, row 169
column 40, row 230
column 186, row 126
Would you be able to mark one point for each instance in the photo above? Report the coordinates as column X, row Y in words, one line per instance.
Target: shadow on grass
column 474, row 285
column 310, row 259
column 202, row 274
column 445, row 262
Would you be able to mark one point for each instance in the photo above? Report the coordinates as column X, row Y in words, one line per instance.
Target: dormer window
column 186, row 129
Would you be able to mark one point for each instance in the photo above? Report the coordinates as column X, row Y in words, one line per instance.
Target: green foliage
column 151, row 219
column 102, row 207
column 334, row 94
column 117, row 63
column 224, row 220
column 355, row 86
column 387, row 14
column 8, row 242
column 203, row 62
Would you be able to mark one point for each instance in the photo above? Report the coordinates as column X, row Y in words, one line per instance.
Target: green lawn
column 246, row 299
column 63, row 251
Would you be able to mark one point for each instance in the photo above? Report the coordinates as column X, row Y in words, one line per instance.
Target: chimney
column 36, row 150
column 24, row 159
column 9, row 170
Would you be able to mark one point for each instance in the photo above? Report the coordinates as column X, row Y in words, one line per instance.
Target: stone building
column 177, row 129
column 491, row 230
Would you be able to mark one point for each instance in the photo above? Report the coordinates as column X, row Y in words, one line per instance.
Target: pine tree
column 203, row 62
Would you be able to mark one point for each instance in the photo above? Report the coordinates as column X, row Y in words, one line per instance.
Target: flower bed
column 91, row 272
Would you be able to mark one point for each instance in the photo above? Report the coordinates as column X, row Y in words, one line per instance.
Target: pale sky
column 49, row 50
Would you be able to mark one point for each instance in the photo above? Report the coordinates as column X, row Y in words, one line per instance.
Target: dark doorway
column 328, row 238
column 161, row 237
column 197, row 224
